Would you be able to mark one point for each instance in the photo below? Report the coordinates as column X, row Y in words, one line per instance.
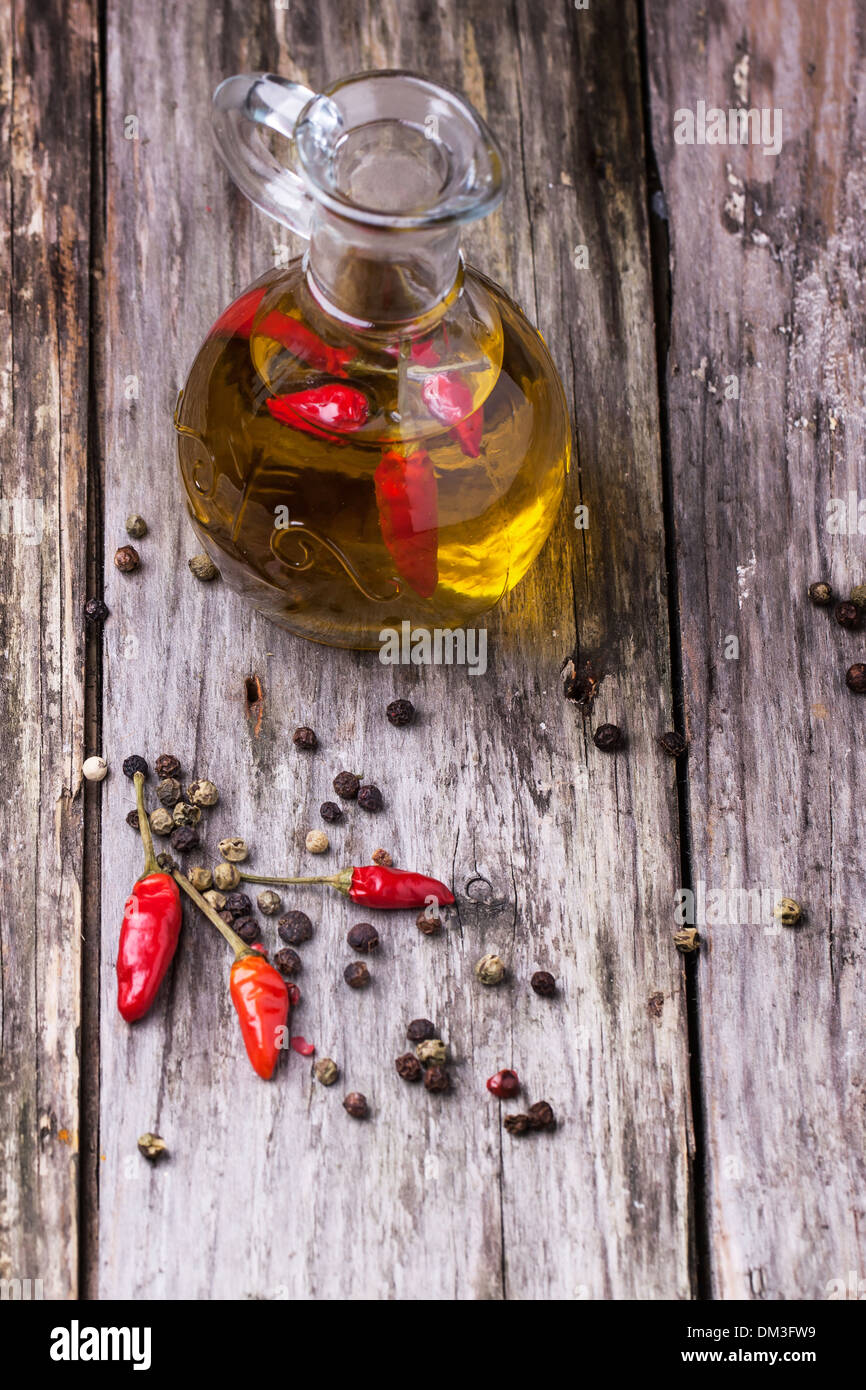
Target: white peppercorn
column 95, row 768
column 317, row 842
column 202, row 793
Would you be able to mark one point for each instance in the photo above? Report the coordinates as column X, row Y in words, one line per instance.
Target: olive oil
column 427, row 505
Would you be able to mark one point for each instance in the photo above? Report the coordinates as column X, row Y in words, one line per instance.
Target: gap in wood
column 88, row 1114
column 659, row 239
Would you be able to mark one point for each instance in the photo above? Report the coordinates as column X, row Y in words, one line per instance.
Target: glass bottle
column 374, row 433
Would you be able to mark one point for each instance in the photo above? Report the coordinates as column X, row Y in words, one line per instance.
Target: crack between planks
column 662, row 291
column 88, row 1121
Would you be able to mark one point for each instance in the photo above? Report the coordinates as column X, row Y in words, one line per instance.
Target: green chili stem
column 334, row 880
column 239, row 947
column 150, row 864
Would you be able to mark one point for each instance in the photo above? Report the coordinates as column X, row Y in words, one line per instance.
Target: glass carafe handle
column 241, row 105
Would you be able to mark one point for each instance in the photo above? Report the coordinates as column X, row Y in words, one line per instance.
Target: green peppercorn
column 184, row 814
column 431, row 1052
column 269, row 902
column 687, row 940
column 858, row 596
column 788, row 912
column 152, row 1146
column 216, row 899
column 490, row 970
column 226, row 876
column 161, row 822
column 821, row 593
column 200, row 878
column 203, row 567
column 326, row 1071
column 136, row 526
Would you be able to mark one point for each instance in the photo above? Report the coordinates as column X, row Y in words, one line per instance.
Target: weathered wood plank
column 767, row 254
column 46, row 71
column 561, row 857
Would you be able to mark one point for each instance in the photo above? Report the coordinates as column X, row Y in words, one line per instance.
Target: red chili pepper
column 259, row 993
column 237, row 321
column 261, row 1001
column 375, row 886
column 150, row 930
column 504, row 1085
column 448, row 398
column 322, row 408
column 407, row 496
column 301, row 1045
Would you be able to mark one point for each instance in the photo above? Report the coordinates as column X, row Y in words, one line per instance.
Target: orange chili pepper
column 259, row 993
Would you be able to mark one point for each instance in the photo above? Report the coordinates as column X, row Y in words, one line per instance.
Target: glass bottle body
column 350, row 477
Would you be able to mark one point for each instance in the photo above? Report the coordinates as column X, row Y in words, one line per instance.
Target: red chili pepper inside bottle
column 322, row 409
column 407, row 497
column 504, row 1085
column 150, row 930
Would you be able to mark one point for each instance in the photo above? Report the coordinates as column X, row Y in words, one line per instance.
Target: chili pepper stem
column 150, row 864
column 341, row 881
column 239, row 947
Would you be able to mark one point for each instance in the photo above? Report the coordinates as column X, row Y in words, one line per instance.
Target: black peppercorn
column 305, row 738
column 363, row 937
column 346, row 785
column 420, row 1029
column 855, row 678
column 287, row 961
column 95, row 612
column 400, row 713
column 184, row 839
column 355, row 1105
column 132, row 819
column 847, row 614
column 543, row 983
column 247, row 928
column 167, row 766
column 607, row 737
column 436, row 1079
column 356, row 975
column 370, row 798
column 127, row 559
column 295, row 928
column 820, row 593
column 238, row 904
column 516, row 1124
column 168, row 791
column 673, row 743
column 227, row 918
column 330, row 812
column 166, row 863
column 541, row 1115
column 430, row 926
column 134, row 764
column 408, row 1067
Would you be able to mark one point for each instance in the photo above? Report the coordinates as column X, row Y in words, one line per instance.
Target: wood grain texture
column 46, row 77
column 767, row 256
column 560, row 857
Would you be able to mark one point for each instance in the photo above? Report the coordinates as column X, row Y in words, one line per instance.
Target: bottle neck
column 376, row 276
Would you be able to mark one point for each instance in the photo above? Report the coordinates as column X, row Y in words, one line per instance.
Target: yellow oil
column 294, row 521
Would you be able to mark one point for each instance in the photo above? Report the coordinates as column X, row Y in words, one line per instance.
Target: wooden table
column 710, row 1108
